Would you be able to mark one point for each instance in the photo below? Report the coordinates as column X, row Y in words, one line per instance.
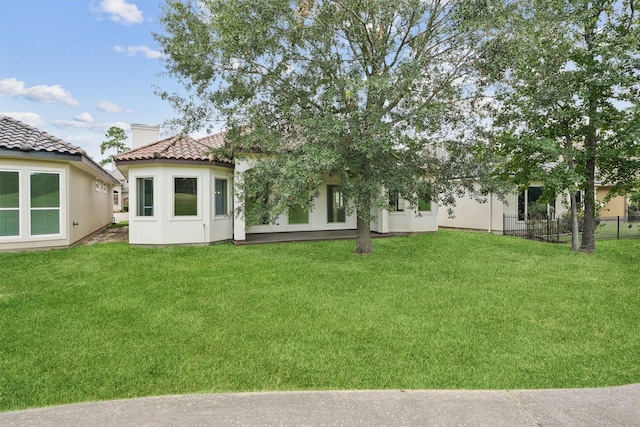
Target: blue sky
column 76, row 67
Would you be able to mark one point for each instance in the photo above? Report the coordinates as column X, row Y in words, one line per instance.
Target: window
column 185, row 196
column 335, row 204
column 144, row 188
column 221, row 197
column 529, row 204
column 424, row 205
column 45, row 203
column 396, row 202
column 9, row 203
column 97, row 185
column 116, row 197
column 299, row 215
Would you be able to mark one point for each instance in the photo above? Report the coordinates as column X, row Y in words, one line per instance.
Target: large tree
column 566, row 80
column 367, row 91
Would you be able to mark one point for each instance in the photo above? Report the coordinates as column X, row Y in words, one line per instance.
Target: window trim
column 173, row 199
column 46, row 208
column 18, row 208
column 225, row 195
column 330, row 196
column 153, row 197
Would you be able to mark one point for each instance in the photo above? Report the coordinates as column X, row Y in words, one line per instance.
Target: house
column 489, row 215
column 179, row 194
column 120, row 191
column 52, row 195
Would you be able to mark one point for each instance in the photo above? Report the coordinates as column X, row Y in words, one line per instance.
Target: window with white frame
column 424, row 205
column 144, row 196
column 44, row 203
column 185, row 196
column 396, row 202
column 9, row 203
column 221, row 196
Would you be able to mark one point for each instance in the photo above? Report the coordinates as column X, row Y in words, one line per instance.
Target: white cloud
column 31, row 119
column 77, row 124
column 84, row 117
column 110, row 107
column 133, row 50
column 120, row 11
column 40, row 93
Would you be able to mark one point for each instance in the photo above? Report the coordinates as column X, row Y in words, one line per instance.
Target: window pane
column 9, row 223
column 9, row 190
column 45, row 190
column 299, row 215
column 221, row 197
column 335, row 205
column 144, row 187
column 185, row 196
column 45, row 221
column 424, row 205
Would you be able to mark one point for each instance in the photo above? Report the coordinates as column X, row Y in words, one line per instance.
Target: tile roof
column 177, row 147
column 18, row 136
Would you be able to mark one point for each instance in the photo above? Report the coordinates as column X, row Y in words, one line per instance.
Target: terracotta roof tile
column 175, row 148
column 18, row 136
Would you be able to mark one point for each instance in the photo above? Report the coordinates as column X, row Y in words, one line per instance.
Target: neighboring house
column 120, row 191
column 52, row 195
column 617, row 206
column 180, row 195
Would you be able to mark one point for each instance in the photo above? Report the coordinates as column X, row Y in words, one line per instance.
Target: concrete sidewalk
column 613, row 406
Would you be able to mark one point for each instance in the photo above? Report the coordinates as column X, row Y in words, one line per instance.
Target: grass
column 450, row 310
column 120, row 224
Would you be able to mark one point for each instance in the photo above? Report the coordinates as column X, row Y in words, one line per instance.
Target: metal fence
column 558, row 230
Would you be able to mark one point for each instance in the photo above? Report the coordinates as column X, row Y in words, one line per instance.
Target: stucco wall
column 164, row 227
column 474, row 215
column 615, row 207
column 92, row 210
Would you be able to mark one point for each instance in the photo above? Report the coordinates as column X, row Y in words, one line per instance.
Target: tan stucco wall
column 90, row 209
column 615, row 207
column 92, row 212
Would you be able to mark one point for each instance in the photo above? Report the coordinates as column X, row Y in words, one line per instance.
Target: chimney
column 143, row 135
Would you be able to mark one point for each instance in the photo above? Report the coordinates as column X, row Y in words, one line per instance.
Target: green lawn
column 450, row 310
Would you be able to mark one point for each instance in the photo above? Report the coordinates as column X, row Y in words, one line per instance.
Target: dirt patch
column 109, row 235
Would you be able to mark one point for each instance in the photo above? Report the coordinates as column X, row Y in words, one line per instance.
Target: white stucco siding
column 165, row 226
column 412, row 221
column 318, row 218
column 474, row 215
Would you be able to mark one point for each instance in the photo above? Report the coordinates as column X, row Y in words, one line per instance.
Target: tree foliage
column 115, row 140
column 370, row 92
column 566, row 79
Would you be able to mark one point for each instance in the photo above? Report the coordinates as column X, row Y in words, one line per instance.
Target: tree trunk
column 591, row 146
column 363, row 237
column 575, row 244
column 589, row 225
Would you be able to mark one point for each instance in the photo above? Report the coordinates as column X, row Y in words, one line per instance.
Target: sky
column 74, row 68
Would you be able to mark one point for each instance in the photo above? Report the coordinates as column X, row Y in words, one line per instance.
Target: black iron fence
column 558, row 230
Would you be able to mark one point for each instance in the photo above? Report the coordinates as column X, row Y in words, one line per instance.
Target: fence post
column 548, row 230
column 558, row 231
column 618, row 234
